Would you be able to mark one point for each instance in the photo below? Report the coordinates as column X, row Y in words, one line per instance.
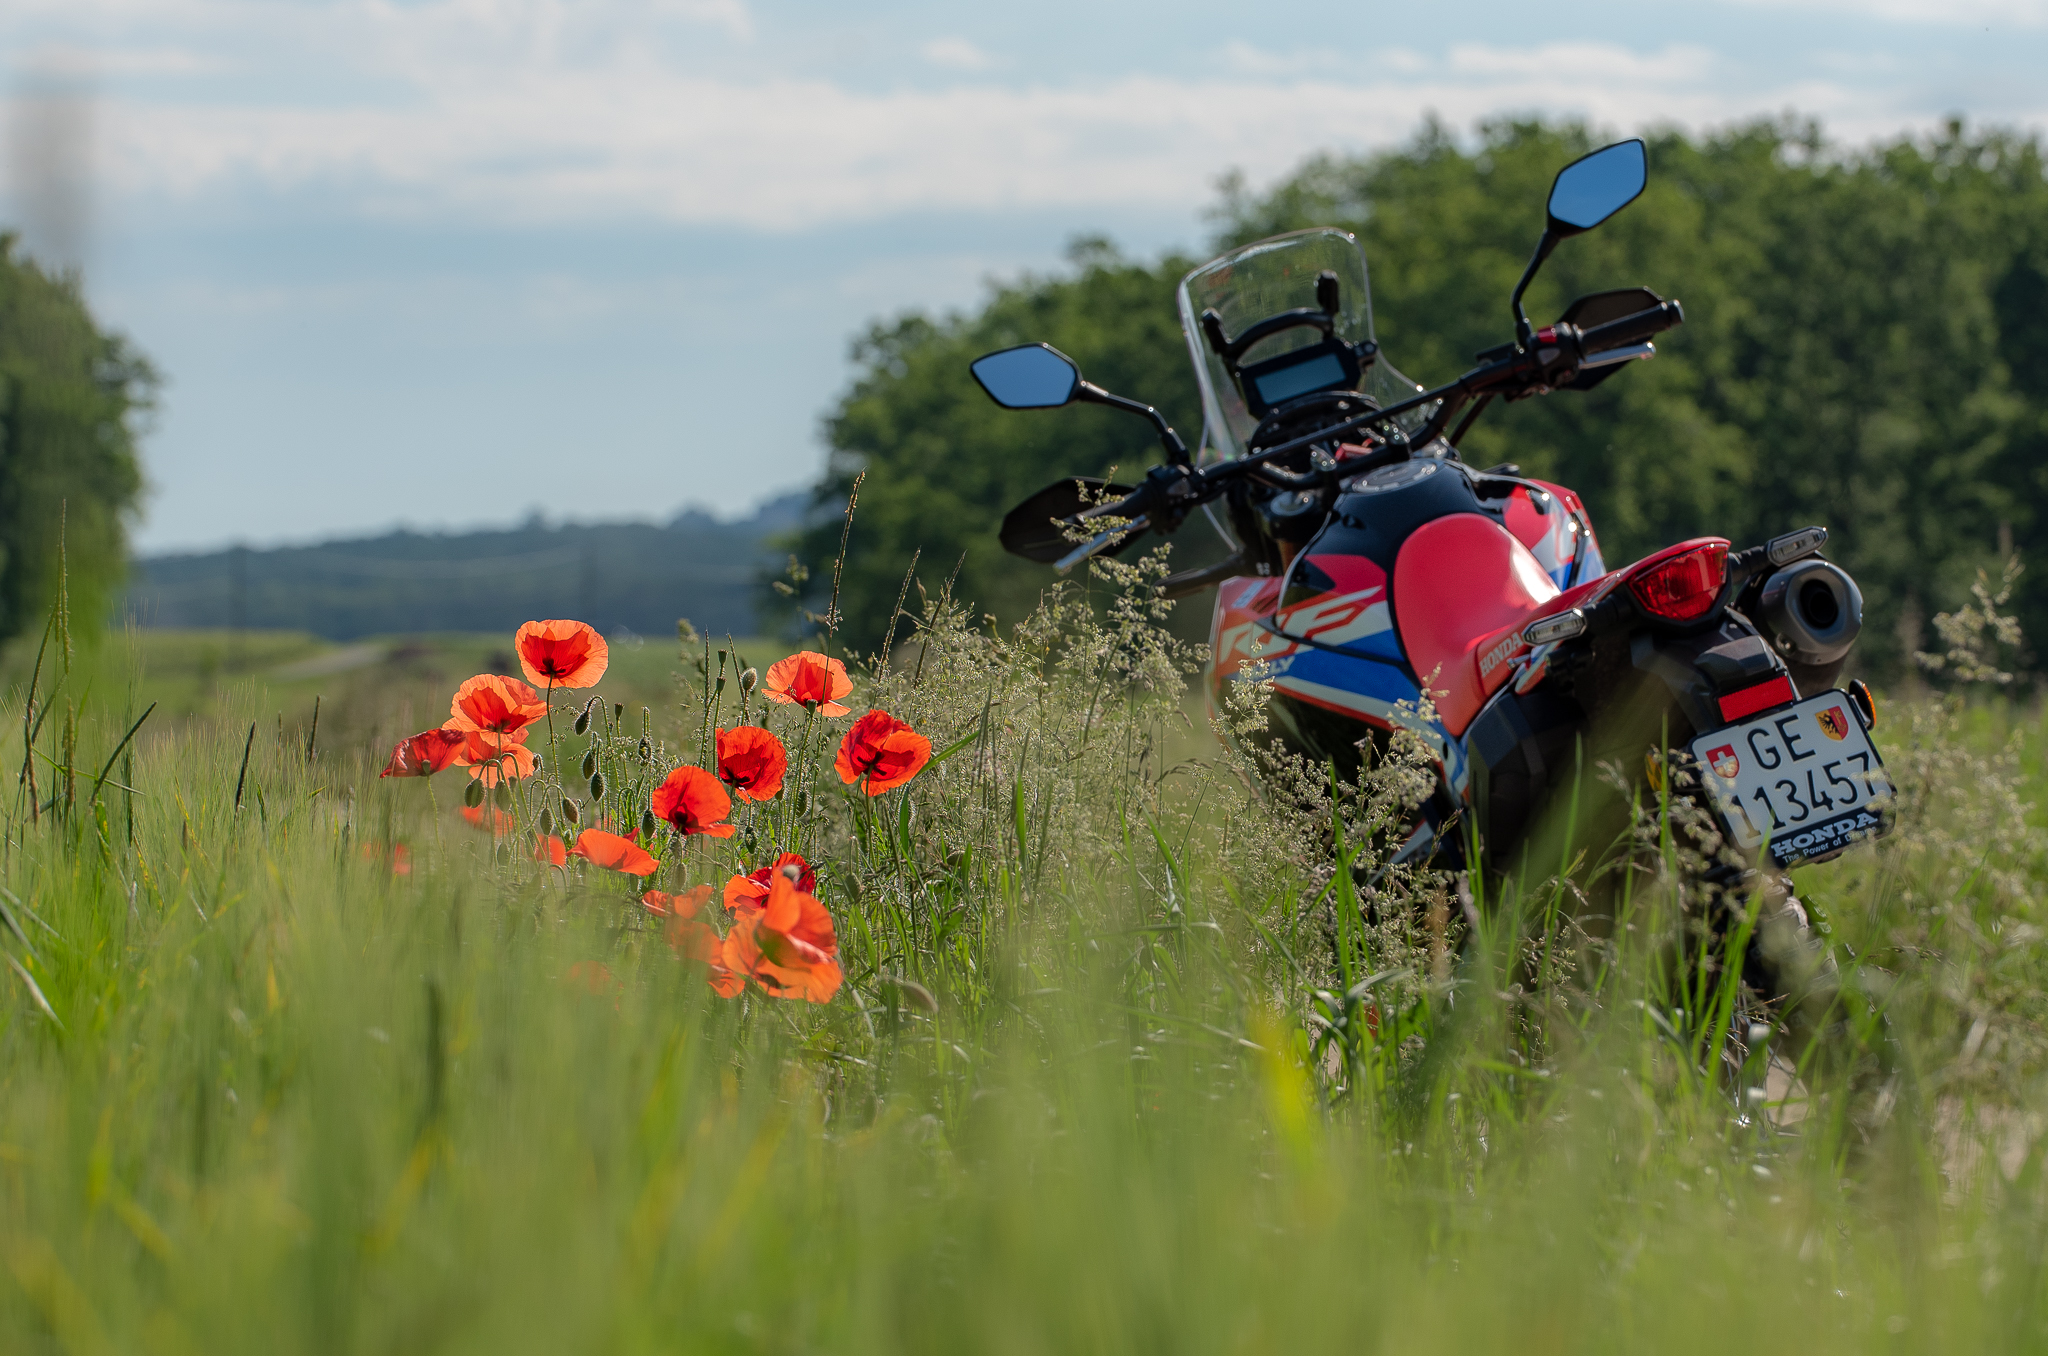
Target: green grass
column 287, row 1099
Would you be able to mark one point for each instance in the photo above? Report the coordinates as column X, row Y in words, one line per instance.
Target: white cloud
column 532, row 126
column 1942, row 13
column 955, row 54
column 638, row 110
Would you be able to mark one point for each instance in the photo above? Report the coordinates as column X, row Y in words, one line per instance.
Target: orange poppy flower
column 693, row 801
column 751, row 761
column 694, row 938
column 608, row 849
column 494, row 757
column 561, row 653
column 400, row 857
column 881, row 752
column 424, row 754
column 745, row 893
column 685, row 905
column 493, row 702
column 594, row 976
column 789, row 948
column 548, row 848
column 501, row 822
column 808, row 677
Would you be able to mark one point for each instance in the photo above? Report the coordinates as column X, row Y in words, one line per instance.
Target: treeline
column 1866, row 347
column 68, row 470
column 638, row 577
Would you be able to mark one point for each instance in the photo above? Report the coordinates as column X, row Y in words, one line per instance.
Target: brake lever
column 1100, row 542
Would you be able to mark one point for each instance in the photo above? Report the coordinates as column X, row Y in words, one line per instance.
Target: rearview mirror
column 1033, row 377
column 1594, row 187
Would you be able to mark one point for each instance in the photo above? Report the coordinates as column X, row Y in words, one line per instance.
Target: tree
column 69, row 475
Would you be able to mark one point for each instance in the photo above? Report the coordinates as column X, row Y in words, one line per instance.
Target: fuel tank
column 1416, row 562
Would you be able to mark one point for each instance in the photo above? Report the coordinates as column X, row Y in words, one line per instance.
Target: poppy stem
column 839, row 566
column 434, row 804
column 554, row 753
column 804, row 760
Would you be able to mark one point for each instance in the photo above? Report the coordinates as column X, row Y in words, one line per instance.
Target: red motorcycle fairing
column 1552, row 523
column 1464, row 587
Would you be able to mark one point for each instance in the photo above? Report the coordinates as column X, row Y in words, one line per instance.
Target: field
column 295, row 1058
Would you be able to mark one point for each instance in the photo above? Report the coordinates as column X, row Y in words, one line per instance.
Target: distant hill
column 636, row 577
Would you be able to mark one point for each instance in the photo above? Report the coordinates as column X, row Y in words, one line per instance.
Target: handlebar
column 1632, row 329
column 1169, row 491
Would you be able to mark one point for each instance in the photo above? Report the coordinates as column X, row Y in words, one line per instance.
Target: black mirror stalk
column 1524, row 331
column 1176, row 450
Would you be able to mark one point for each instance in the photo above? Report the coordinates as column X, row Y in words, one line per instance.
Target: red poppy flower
column 694, row 938
column 693, row 801
column 806, row 677
column 494, row 757
column 881, row 752
column 745, row 893
column 561, row 653
column 548, row 848
column 424, row 754
column 788, row 948
column 685, row 905
column 593, row 976
column 751, row 761
column 501, row 822
column 493, row 702
column 608, row 849
column 400, row 857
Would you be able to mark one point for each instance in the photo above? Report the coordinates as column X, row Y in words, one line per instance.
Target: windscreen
column 1263, row 279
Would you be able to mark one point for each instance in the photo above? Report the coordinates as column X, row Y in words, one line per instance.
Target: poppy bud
column 569, row 811
column 583, row 722
column 720, row 689
column 547, row 820
column 597, row 786
column 502, row 796
column 647, row 826
column 473, row 795
column 646, row 750
column 749, row 680
column 803, row 802
column 618, row 712
column 590, row 763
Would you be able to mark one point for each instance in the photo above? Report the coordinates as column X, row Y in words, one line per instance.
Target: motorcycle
column 1370, row 568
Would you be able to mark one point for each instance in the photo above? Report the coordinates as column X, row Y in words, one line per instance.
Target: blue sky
column 443, row 262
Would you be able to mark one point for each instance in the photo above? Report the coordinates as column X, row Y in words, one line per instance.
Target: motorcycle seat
column 1463, row 586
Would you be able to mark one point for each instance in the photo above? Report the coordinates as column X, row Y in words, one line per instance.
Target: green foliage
column 1865, row 347
column 68, row 469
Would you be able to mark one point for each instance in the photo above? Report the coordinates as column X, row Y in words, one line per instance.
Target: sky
column 450, row 262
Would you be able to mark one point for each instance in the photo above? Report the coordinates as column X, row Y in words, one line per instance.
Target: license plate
column 1803, row 780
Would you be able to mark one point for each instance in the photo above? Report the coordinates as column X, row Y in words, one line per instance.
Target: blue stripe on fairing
column 1373, row 689
column 1324, row 668
column 1384, row 643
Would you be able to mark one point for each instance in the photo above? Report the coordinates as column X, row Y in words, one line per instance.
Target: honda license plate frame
column 1839, row 790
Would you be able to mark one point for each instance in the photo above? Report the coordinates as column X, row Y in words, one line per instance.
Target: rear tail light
column 1685, row 587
